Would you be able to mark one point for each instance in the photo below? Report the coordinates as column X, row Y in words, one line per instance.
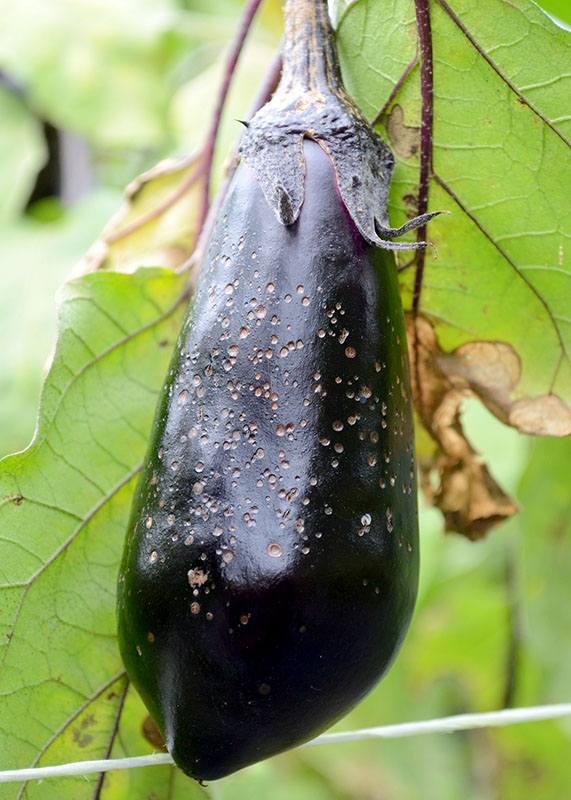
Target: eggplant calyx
column 311, row 102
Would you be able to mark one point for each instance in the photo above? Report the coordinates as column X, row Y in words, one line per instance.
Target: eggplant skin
column 271, row 565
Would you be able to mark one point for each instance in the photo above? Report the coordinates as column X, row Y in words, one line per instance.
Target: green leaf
column 546, row 528
column 65, row 503
column 558, row 8
column 36, row 258
column 104, row 69
column 500, row 164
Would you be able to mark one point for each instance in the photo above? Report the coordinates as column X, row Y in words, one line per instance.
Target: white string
column 459, row 722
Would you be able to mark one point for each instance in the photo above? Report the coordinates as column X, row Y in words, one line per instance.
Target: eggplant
column 271, row 565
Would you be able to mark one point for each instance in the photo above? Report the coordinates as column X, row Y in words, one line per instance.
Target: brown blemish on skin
column 404, row 139
column 197, row 577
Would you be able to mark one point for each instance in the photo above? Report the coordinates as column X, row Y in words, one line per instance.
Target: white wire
column 459, row 722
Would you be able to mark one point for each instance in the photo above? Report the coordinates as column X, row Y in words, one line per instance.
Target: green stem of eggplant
column 310, row 58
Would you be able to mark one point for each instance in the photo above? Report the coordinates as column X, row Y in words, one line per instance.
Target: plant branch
column 112, row 738
column 264, row 93
column 426, row 90
column 231, row 62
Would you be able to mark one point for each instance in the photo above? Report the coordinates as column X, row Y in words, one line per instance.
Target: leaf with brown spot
column 494, row 151
column 405, row 140
column 451, row 475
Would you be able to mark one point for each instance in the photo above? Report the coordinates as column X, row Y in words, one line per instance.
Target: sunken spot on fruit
column 197, row 576
column 195, row 608
column 151, row 637
column 153, row 557
column 275, row 549
column 264, row 688
column 350, row 352
column 227, row 556
column 149, row 522
column 389, row 515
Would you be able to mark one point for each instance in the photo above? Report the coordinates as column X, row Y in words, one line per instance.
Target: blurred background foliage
column 92, row 93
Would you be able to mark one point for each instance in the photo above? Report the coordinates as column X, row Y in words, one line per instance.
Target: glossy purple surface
column 271, row 565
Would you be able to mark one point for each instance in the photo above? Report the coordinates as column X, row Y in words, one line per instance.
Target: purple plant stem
column 114, row 732
column 231, row 62
column 426, row 92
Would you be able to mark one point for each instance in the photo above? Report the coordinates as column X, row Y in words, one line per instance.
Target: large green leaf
column 64, row 508
column 35, row 259
column 500, row 164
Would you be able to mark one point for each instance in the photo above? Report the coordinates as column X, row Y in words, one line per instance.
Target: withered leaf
column 453, row 477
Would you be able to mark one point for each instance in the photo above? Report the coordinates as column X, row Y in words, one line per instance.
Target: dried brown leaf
column 452, row 477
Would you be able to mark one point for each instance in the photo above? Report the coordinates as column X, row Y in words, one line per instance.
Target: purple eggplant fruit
column 271, row 565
